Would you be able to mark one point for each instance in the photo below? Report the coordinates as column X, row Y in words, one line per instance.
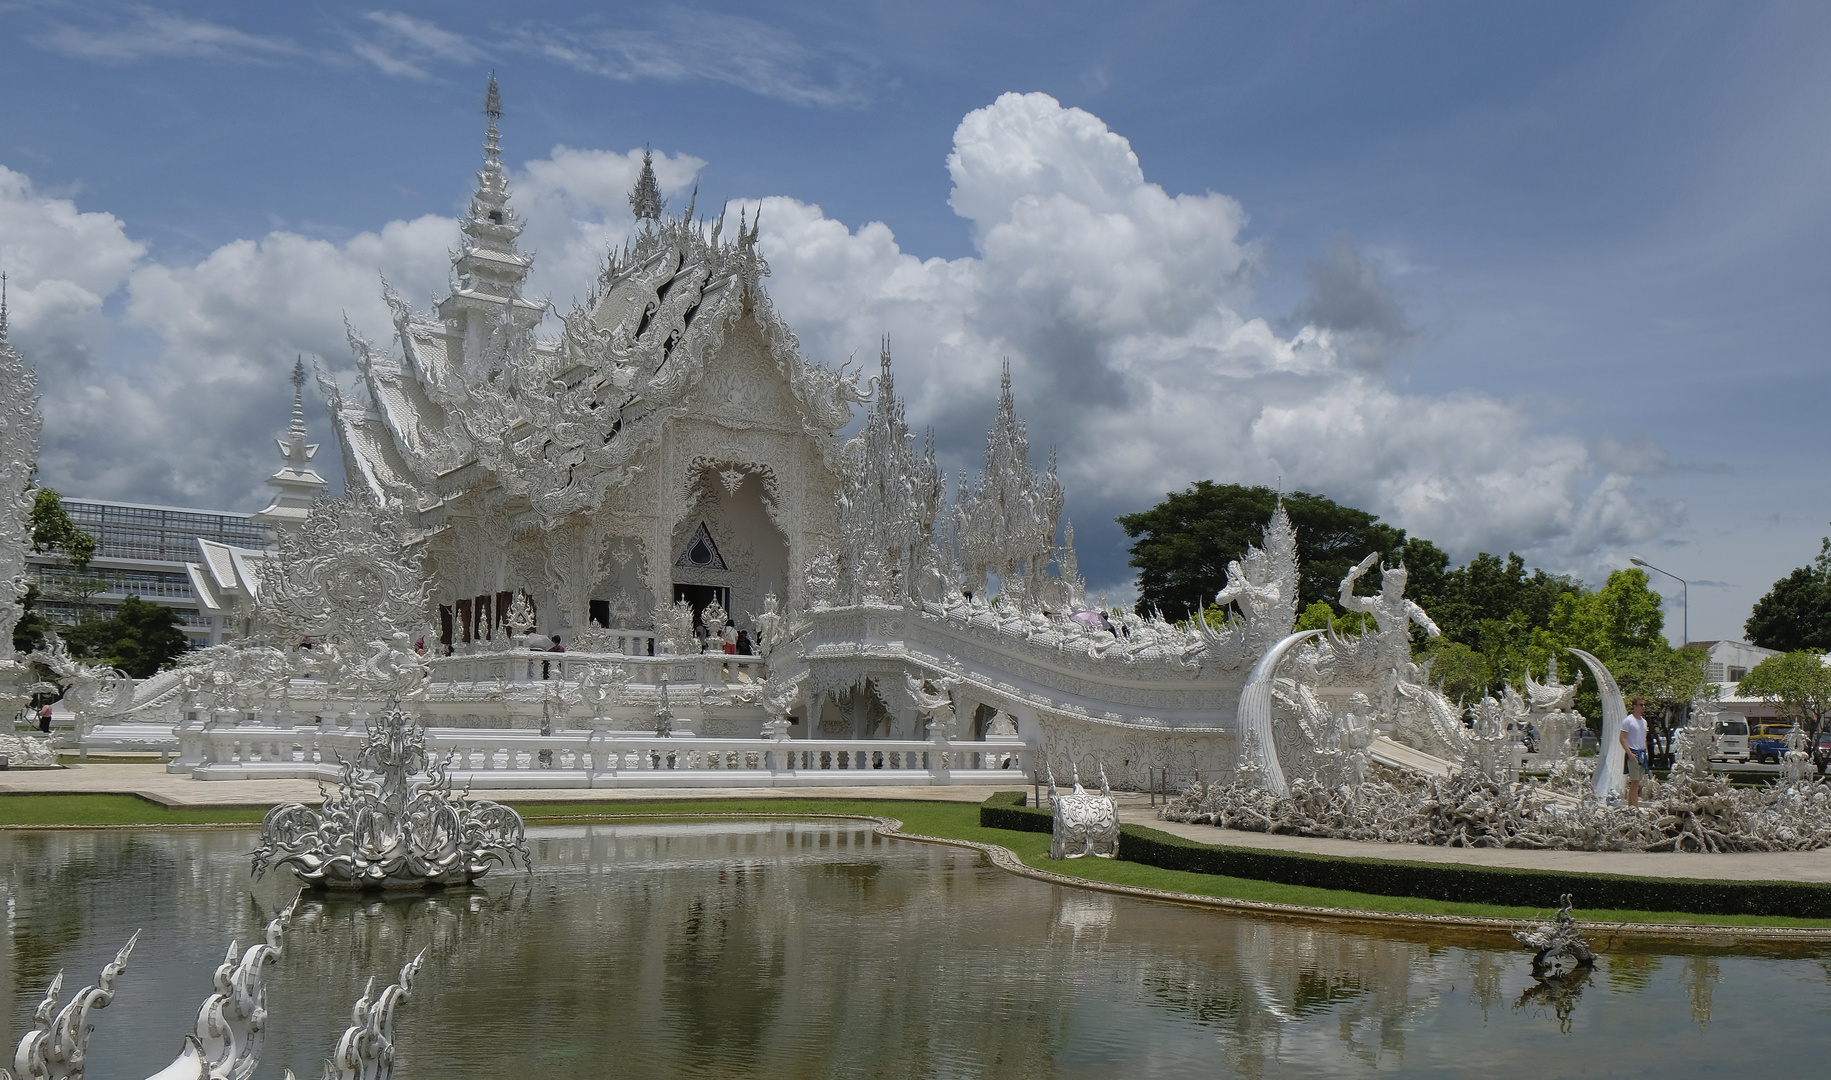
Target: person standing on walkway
column 1634, row 741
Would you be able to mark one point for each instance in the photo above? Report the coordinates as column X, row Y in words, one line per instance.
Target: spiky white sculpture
column 1085, row 823
column 392, row 823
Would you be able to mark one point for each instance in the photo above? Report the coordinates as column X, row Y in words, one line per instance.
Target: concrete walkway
column 154, row 783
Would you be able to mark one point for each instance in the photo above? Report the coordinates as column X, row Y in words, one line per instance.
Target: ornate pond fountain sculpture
column 392, row 823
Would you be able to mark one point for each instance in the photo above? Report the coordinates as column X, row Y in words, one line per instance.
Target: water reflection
column 1556, row 992
column 822, row 950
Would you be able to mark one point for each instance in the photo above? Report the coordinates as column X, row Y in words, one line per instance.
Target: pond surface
column 674, row 949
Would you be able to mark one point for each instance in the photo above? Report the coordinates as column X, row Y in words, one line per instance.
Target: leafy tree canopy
column 1796, row 613
column 1182, row 545
column 53, row 531
column 1797, row 683
column 141, row 638
column 29, row 632
column 1497, row 618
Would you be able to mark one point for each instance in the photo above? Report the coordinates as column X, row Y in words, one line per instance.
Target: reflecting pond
column 818, row 949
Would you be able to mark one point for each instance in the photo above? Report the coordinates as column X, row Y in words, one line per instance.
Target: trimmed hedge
column 1008, row 810
column 1451, row 882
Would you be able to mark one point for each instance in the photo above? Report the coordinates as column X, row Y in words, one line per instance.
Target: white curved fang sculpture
column 1610, row 758
column 1256, row 712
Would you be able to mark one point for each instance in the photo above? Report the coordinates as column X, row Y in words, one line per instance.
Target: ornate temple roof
column 470, row 400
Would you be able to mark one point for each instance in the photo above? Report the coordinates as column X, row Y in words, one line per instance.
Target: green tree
column 1463, row 673
column 29, row 632
column 1623, row 615
column 54, row 532
column 1182, row 545
column 1797, row 684
column 1796, row 613
column 1322, row 616
column 141, row 638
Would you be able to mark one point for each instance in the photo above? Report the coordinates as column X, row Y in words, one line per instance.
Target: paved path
column 154, row 783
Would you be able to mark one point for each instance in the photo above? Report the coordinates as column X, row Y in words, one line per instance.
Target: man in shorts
column 1634, row 741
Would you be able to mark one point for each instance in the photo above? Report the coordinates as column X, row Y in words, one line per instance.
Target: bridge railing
column 527, row 759
column 523, row 666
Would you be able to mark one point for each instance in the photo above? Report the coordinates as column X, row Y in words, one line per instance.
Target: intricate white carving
column 346, row 578
column 1006, row 523
column 19, row 427
column 393, row 822
column 366, row 1050
column 1085, row 824
column 888, row 499
column 58, row 1045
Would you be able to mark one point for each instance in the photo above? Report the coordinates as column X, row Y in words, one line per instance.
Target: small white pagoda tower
column 298, row 482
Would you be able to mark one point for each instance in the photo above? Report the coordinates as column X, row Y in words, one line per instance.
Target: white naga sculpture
column 231, row 1028
column 1085, row 824
column 57, row 1045
column 392, row 823
column 366, row 1050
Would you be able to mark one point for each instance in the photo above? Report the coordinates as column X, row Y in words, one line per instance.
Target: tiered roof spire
column 298, row 482
column 490, row 268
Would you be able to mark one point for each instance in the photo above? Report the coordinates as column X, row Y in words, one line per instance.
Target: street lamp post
column 1685, row 593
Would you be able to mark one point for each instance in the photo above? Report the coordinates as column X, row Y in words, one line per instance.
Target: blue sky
column 1560, row 267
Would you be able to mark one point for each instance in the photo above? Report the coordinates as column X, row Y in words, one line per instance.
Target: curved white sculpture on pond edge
column 1611, row 759
column 1256, row 718
column 366, row 1050
column 59, row 1045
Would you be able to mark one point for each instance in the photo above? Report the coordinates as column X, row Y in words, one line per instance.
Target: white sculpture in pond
column 392, row 823
column 57, row 1045
column 366, row 1050
column 1085, row 824
column 226, row 1043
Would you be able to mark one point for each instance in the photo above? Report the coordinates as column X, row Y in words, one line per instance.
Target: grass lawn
column 949, row 820
column 114, row 810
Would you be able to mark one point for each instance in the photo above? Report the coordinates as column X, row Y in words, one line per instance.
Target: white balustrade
column 523, row 666
column 526, row 759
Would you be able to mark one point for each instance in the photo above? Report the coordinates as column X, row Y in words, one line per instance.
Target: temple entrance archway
column 727, row 547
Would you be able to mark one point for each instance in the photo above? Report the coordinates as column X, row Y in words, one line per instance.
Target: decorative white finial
column 645, row 197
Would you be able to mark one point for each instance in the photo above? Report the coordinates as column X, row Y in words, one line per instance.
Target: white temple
column 671, row 461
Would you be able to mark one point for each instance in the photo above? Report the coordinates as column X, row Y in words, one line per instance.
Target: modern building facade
column 201, row 563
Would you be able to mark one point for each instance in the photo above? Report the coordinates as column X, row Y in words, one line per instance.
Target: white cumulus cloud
column 1126, row 313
